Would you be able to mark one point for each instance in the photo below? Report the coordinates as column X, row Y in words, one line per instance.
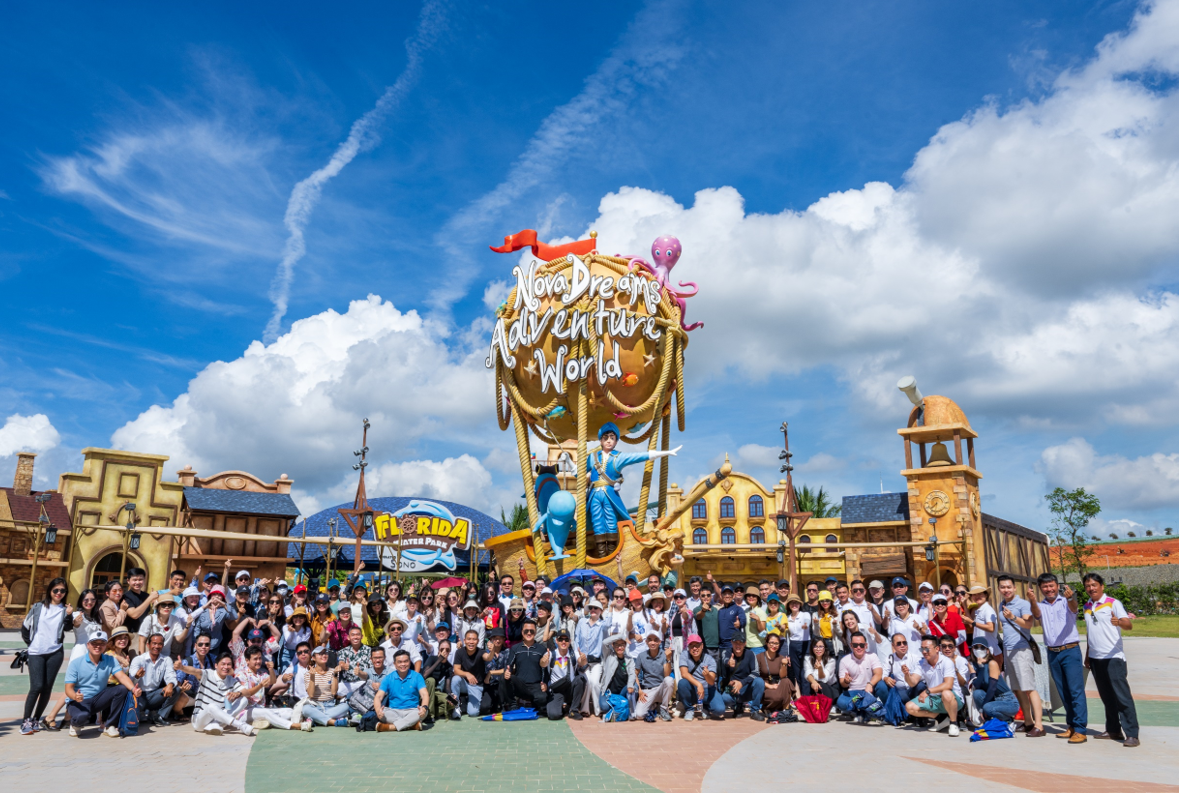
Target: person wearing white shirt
column 395, row 640
column 923, row 610
column 153, row 672
column 986, row 624
column 902, row 659
column 164, row 621
column 899, row 587
column 1106, row 619
column 941, row 697
column 906, row 623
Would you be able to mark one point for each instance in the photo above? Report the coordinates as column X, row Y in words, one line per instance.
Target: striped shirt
column 212, row 691
column 323, row 681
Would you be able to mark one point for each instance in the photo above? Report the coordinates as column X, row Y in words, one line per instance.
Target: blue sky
column 985, row 198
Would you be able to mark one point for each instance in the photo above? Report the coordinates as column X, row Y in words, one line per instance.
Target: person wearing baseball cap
column 87, row 692
column 696, row 690
column 900, row 587
column 565, row 687
column 654, row 682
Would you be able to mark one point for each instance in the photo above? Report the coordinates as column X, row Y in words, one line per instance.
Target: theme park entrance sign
column 424, row 535
column 582, row 306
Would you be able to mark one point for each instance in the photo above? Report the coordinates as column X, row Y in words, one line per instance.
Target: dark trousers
column 516, row 689
column 565, row 694
column 43, row 671
column 106, row 705
column 494, row 695
column 154, row 702
column 798, row 652
column 1111, row 678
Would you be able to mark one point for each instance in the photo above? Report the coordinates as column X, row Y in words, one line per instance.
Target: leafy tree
column 519, row 519
column 1132, row 534
column 1148, row 533
column 1168, row 532
column 1113, row 536
column 817, row 502
column 1073, row 510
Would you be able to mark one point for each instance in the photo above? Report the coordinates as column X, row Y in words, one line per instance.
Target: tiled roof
column 317, row 526
column 875, row 508
column 26, row 507
column 208, row 499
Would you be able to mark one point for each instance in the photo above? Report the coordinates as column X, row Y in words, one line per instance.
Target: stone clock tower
column 943, row 489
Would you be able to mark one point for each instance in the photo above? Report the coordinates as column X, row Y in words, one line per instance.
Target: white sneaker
column 306, row 726
column 688, row 715
column 858, row 720
column 214, row 729
column 261, row 724
column 246, row 729
column 111, row 732
column 953, row 731
column 73, row 731
column 940, row 725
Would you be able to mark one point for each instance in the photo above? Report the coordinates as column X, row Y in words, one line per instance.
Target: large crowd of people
column 245, row 654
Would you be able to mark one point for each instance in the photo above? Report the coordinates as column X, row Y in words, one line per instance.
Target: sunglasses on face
column 900, row 644
column 961, row 591
column 303, row 652
column 812, row 591
column 862, row 644
column 858, row 589
column 617, row 597
column 203, row 644
column 528, row 632
column 563, row 641
column 59, row 591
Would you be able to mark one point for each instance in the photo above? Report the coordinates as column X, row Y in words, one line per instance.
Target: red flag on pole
column 528, row 239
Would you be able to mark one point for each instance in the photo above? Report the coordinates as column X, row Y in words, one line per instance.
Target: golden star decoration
column 649, row 360
column 531, row 368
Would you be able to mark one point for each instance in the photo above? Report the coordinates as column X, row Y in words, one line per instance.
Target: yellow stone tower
column 943, row 489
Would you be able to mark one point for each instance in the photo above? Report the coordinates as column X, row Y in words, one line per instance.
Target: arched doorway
column 108, row 564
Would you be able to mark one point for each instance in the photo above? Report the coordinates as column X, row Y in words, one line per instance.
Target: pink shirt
column 861, row 672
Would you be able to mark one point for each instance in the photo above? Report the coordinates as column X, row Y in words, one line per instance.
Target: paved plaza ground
column 711, row 757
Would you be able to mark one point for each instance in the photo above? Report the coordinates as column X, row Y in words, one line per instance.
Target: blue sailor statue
column 603, row 504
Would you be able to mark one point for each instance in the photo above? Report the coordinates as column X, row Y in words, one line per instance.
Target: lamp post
column 789, row 520
column 130, row 539
column 42, row 524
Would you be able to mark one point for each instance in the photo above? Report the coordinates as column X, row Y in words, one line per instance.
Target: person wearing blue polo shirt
column 87, row 691
column 405, row 694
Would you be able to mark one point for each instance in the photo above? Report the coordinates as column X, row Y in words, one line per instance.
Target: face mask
column 982, row 654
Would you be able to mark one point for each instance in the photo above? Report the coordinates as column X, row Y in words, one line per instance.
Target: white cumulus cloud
column 1013, row 267
column 296, row 405
column 1142, row 483
column 27, row 434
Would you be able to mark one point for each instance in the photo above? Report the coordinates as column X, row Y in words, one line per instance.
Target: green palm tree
column 817, row 502
column 517, row 520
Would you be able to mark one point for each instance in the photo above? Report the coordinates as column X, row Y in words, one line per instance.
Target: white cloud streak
column 27, row 434
column 362, row 137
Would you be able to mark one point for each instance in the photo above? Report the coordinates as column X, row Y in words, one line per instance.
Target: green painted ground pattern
column 462, row 757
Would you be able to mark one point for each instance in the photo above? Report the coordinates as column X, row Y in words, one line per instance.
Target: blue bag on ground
column 992, row 730
column 129, row 718
column 620, row 711
column 893, row 711
column 520, row 714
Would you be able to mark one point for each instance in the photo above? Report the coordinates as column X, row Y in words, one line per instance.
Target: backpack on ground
column 619, row 711
column 129, row 717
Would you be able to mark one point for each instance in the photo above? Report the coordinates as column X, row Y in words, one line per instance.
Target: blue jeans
column 882, row 691
column 1066, row 668
column 713, row 702
column 863, row 704
column 460, row 686
column 752, row 691
column 1004, row 707
column 321, row 713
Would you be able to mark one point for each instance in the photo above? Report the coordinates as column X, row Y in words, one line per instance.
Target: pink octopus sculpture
column 665, row 252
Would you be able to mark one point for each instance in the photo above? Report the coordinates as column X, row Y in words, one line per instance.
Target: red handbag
column 814, row 708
